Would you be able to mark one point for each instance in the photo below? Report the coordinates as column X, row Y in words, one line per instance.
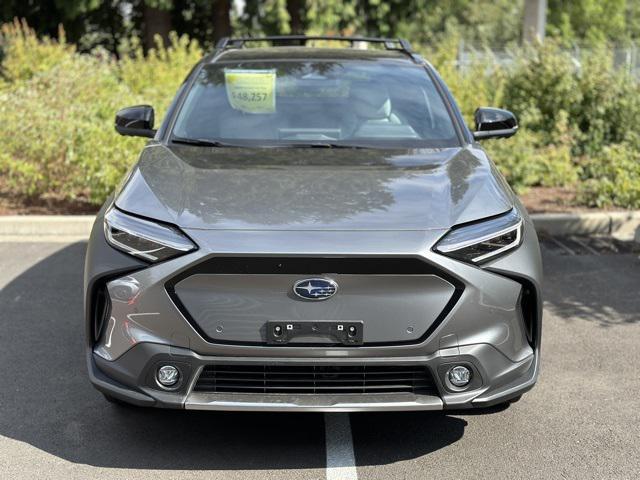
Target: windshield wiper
column 200, row 142
column 324, row 145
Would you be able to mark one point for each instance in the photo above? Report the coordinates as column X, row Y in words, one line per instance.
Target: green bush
column 515, row 159
column 57, row 136
column 25, row 55
column 570, row 113
column 542, row 87
column 601, row 103
column 526, row 163
column 609, row 110
column 481, row 84
column 57, row 133
column 612, row 178
column 578, row 120
column 156, row 76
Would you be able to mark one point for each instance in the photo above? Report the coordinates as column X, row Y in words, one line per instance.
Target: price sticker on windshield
column 251, row 91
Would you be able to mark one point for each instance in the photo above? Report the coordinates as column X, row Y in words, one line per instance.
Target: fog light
column 168, row 375
column 459, row 376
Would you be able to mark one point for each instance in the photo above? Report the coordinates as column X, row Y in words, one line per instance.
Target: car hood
column 313, row 188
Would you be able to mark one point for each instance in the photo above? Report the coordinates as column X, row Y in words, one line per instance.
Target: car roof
column 309, row 53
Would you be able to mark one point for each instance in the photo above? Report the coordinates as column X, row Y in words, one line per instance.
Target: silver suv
column 313, row 229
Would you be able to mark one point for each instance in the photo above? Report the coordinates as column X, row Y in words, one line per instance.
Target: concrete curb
column 45, row 228
column 51, row 228
column 622, row 225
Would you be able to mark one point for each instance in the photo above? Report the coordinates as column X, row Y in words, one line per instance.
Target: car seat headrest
column 370, row 100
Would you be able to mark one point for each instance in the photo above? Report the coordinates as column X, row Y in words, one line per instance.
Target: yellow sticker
column 251, row 91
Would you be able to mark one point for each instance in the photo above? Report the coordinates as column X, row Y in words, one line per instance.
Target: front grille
column 315, row 379
column 247, row 321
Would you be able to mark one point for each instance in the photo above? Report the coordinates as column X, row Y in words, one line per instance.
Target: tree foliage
column 493, row 23
column 593, row 21
column 578, row 118
column 578, row 125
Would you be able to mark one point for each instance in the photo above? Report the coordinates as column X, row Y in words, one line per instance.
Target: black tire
column 514, row 399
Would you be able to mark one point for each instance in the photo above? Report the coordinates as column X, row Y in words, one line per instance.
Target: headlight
column 483, row 241
column 144, row 239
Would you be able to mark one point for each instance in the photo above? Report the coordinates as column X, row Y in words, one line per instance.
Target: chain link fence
column 627, row 58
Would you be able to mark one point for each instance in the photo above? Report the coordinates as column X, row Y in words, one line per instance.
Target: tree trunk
column 535, row 20
column 296, row 11
column 155, row 22
column 221, row 19
column 368, row 13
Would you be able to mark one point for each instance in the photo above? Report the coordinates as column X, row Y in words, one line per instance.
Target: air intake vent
column 101, row 312
column 315, row 379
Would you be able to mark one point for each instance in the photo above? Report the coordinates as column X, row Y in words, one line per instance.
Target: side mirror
column 494, row 123
column 136, row 121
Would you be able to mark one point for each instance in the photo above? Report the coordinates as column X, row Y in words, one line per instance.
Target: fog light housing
column 168, row 376
column 459, row 376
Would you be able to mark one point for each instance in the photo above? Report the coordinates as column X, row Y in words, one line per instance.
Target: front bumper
column 485, row 328
column 131, row 379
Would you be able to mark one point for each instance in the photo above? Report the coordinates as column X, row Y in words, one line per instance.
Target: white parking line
column 562, row 245
column 341, row 461
column 592, row 251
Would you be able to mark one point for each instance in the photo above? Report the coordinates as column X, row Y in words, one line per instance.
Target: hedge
column 579, row 122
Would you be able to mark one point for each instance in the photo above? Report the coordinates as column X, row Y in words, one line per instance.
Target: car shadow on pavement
column 47, row 401
column 386, row 438
column 592, row 288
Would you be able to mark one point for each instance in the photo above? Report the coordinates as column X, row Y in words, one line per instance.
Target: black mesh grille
column 315, row 379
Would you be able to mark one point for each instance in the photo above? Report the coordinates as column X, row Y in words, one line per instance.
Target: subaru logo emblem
column 315, row 288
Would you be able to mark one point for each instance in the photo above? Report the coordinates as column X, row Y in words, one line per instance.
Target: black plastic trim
column 316, row 379
column 388, row 43
column 101, row 310
column 529, row 307
column 98, row 284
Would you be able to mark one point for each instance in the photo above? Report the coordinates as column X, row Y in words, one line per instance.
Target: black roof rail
column 389, row 43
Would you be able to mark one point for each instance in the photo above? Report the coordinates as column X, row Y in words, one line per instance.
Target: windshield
column 316, row 102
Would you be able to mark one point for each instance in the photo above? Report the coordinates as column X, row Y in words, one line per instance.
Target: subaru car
column 313, row 227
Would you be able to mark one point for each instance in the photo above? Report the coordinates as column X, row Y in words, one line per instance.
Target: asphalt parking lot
column 581, row 421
